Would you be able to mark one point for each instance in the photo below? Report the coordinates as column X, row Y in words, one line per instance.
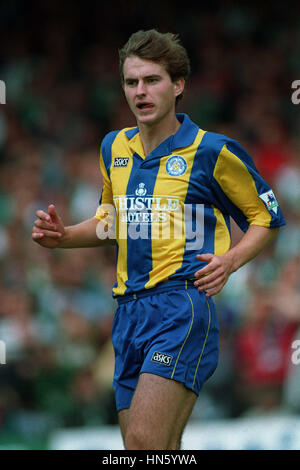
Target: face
column 149, row 91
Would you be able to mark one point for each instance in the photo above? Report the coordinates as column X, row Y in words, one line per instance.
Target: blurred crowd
column 60, row 67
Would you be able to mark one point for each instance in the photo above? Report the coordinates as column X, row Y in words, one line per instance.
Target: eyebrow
column 146, row 77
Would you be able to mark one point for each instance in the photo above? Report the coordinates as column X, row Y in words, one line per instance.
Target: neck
column 153, row 135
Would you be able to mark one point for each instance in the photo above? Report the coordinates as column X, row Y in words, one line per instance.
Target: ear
column 179, row 86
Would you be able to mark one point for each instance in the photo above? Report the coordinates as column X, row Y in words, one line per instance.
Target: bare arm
column 215, row 275
column 49, row 231
column 83, row 235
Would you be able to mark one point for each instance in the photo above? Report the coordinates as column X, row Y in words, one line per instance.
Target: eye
column 130, row 82
column 152, row 80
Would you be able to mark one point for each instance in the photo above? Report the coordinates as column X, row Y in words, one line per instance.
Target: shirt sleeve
column 106, row 198
column 241, row 190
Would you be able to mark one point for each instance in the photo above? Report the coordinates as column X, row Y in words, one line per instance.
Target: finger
column 210, row 277
column 214, row 291
column 48, row 233
column 205, row 257
column 37, row 235
column 219, row 281
column 53, row 214
column 43, row 215
column 206, row 270
column 44, row 225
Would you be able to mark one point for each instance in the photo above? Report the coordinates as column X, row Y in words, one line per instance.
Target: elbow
column 274, row 233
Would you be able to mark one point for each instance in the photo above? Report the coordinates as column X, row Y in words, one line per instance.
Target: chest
column 165, row 181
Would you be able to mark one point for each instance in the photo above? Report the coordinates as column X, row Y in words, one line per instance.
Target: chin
column 148, row 119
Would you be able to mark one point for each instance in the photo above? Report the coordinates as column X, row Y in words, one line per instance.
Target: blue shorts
column 171, row 331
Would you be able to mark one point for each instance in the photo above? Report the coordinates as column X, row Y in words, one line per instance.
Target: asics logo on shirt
column 121, row 162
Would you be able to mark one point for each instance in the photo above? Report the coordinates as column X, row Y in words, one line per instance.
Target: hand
column 214, row 275
column 48, row 229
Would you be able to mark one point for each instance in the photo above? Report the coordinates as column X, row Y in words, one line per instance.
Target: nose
column 140, row 89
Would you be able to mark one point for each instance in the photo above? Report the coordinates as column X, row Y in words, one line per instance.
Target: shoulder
column 214, row 142
column 109, row 139
column 221, row 146
column 111, row 136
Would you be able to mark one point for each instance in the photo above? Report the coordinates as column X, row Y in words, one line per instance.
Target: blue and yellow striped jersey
column 177, row 201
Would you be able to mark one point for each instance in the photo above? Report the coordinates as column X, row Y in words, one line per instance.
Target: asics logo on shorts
column 162, row 358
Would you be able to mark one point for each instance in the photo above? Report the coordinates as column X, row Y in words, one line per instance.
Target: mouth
column 145, row 106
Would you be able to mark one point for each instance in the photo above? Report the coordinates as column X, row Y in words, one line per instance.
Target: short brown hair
column 164, row 48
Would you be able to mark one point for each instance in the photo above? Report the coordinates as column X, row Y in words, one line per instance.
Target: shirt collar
column 184, row 137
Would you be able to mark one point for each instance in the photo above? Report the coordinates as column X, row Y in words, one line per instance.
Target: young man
column 169, row 189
